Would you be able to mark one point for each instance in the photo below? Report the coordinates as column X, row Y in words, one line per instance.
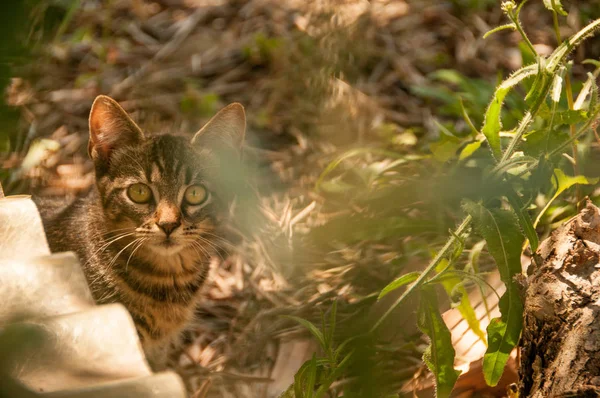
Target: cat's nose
column 169, row 226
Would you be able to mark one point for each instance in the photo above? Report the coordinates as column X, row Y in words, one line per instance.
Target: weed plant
column 506, row 178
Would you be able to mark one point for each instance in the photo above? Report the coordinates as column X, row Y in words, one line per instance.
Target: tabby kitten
column 146, row 230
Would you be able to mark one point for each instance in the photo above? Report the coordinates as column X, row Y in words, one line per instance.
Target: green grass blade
column 462, row 228
column 311, row 378
column 331, row 329
column 398, row 283
column 356, row 152
column 468, row 120
column 337, row 372
column 504, row 238
column 439, row 356
column 311, row 328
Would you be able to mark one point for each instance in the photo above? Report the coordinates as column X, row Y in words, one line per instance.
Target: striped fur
column 126, row 256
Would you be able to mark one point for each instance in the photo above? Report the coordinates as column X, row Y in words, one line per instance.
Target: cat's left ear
column 110, row 128
column 225, row 130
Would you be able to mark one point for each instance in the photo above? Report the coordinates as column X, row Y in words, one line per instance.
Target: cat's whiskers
column 106, row 245
column 104, row 235
column 218, row 239
column 142, row 241
column 117, row 230
column 200, row 241
column 213, row 244
column 202, row 249
column 121, row 251
column 197, row 252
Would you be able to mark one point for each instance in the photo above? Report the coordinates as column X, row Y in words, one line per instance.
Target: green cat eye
column 139, row 193
column 196, row 195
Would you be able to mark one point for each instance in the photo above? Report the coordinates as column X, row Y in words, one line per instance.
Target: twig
column 167, row 50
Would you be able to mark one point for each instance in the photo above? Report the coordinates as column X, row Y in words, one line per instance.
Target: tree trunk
column 560, row 344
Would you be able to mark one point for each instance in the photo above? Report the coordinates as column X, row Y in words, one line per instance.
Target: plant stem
column 422, row 278
column 569, row 94
column 565, row 144
column 515, row 19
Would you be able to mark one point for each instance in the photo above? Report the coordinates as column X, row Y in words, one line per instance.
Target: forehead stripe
column 156, row 157
column 110, row 197
column 148, row 172
column 178, row 167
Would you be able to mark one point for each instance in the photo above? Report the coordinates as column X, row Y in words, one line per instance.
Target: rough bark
column 560, row 344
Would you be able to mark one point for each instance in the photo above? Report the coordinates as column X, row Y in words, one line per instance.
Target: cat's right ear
column 110, row 128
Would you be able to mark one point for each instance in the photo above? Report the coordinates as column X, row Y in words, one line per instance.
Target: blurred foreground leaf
column 439, row 356
column 504, row 239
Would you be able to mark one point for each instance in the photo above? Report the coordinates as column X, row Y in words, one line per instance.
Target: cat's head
column 166, row 191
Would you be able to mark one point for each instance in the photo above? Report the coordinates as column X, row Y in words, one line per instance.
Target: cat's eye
column 139, row 193
column 196, row 195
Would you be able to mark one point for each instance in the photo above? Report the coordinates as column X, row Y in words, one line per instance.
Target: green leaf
column 469, row 150
column 504, row 239
column 493, row 123
column 566, row 117
column 510, row 26
column 556, row 6
column 503, row 335
column 561, row 183
column 337, row 372
column 312, row 376
column 289, row 393
column 467, row 118
column 560, row 54
column 511, row 164
column 524, row 219
column 357, row 227
column 331, row 329
column 453, row 285
column 445, row 149
column 398, row 283
column 311, row 328
column 541, row 85
column 336, row 186
column 305, row 379
column 474, row 255
column 450, row 243
column 357, row 152
column 517, row 138
column 448, row 75
column 439, row 356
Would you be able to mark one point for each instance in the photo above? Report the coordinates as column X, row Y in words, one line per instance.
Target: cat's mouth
column 168, row 243
column 166, row 246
